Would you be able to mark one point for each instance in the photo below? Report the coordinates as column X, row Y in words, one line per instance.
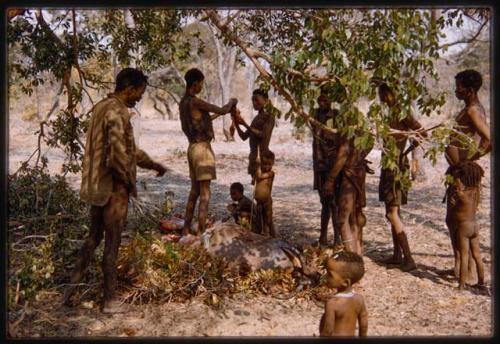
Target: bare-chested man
column 462, row 194
column 344, row 309
column 324, row 150
column 196, row 123
column 259, row 131
column 390, row 190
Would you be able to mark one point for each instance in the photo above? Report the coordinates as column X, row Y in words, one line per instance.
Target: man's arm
column 116, row 156
column 452, row 155
column 412, row 124
column 363, row 321
column 203, row 105
column 482, row 129
column 144, row 161
column 327, row 322
column 265, row 175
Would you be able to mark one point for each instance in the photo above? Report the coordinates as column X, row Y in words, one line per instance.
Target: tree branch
column 466, row 41
column 253, row 55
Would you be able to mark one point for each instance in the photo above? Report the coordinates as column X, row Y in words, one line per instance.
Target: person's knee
column 361, row 220
column 194, row 193
column 391, row 214
column 204, row 196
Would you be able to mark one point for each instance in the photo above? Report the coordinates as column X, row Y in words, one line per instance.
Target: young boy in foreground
column 346, row 308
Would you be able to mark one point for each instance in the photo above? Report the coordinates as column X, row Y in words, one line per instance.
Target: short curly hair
column 237, row 186
column 354, row 268
column 193, row 75
column 470, row 79
column 260, row 92
column 130, row 77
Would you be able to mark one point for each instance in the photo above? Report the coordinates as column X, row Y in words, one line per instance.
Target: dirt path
column 420, row 303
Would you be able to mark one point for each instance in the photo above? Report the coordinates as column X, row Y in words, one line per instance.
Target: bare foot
column 408, row 266
column 115, row 307
column 68, row 293
column 393, row 260
column 321, row 243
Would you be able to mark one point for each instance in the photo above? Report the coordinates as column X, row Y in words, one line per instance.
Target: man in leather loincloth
column 391, row 191
column 196, row 123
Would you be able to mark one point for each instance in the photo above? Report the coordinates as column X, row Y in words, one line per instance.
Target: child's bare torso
column 346, row 311
column 264, row 186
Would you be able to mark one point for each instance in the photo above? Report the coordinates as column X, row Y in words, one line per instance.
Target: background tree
column 349, row 51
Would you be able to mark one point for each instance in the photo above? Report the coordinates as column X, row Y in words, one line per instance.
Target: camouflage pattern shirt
column 110, row 152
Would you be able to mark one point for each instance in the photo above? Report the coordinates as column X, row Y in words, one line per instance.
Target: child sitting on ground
column 263, row 188
column 344, row 309
column 241, row 208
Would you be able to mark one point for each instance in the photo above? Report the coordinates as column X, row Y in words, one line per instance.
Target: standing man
column 462, row 194
column 324, row 151
column 391, row 191
column 109, row 179
column 260, row 130
column 196, row 123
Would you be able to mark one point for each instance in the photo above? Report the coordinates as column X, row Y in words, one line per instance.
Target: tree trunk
column 226, row 58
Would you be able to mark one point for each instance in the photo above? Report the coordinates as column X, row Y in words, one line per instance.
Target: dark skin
column 342, row 313
column 263, row 190
column 460, row 217
column 201, row 188
column 236, row 196
column 346, row 213
column 402, row 254
column 328, row 208
column 109, row 221
column 261, row 137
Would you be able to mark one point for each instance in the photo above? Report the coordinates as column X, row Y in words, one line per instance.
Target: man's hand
column 233, row 102
column 160, row 169
column 328, row 189
column 236, row 116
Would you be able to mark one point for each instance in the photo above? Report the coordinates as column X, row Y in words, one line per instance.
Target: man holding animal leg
column 463, row 191
column 391, row 191
column 197, row 125
column 260, row 130
column 109, row 179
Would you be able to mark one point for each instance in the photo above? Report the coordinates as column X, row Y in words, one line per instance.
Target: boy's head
column 194, row 80
column 324, row 102
column 386, row 94
column 267, row 161
column 259, row 99
column 344, row 269
column 132, row 84
column 467, row 83
column 236, row 191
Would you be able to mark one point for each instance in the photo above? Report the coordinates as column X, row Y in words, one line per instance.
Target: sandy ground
column 420, row 303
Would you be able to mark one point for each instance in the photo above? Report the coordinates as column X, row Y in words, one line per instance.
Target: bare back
column 341, row 316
